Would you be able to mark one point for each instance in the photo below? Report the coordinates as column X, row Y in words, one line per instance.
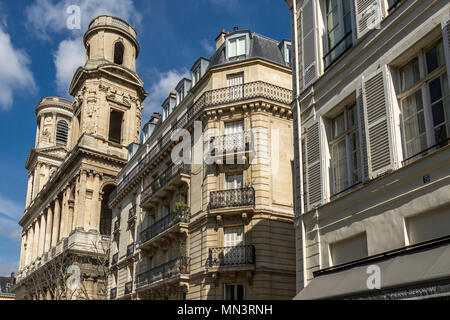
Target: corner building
column 220, row 230
column 81, row 146
column 372, row 158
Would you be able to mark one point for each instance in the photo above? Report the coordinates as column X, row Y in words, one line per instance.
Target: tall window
column 345, row 150
column 115, row 126
column 180, row 95
column 234, row 251
column 338, row 29
column 234, row 136
column 236, row 48
column 62, row 132
column 235, row 86
column 425, row 103
column 119, row 50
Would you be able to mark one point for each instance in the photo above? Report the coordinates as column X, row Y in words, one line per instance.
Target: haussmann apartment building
column 371, row 117
column 217, row 229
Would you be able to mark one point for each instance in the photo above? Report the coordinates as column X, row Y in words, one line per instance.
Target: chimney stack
column 236, row 29
column 220, row 39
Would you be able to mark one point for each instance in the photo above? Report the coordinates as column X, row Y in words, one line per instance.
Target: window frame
column 236, row 37
column 234, row 285
column 345, row 135
column 325, row 43
column 422, row 85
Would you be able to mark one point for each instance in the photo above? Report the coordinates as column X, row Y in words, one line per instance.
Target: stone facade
column 223, row 230
column 81, row 146
column 371, row 134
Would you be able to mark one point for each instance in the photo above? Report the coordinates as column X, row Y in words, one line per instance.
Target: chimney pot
column 220, row 39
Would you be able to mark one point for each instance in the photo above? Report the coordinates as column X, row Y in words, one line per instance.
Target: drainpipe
column 299, row 141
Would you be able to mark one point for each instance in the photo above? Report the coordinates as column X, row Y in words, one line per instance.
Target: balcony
column 115, row 259
column 113, row 294
column 169, row 180
column 128, row 287
column 231, row 258
column 173, row 272
column 173, row 222
column 241, row 93
column 132, row 214
column 232, row 199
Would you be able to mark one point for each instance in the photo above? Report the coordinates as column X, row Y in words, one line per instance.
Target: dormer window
column 166, row 112
column 196, row 76
column 236, row 47
column 287, row 54
column 180, row 95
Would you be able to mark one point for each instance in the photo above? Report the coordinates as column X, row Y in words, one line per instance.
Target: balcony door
column 235, row 86
column 234, row 136
column 234, row 252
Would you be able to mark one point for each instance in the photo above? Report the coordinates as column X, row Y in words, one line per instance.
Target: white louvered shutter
column 309, row 43
column 446, row 43
column 313, row 165
column 362, row 135
column 378, row 123
column 367, row 13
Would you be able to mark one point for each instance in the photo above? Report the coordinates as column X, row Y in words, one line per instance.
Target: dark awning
column 408, row 268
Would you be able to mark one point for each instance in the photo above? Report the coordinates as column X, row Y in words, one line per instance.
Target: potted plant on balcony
column 183, row 259
column 181, row 209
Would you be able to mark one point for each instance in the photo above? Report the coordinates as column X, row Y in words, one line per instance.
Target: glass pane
column 441, row 133
column 435, row 90
column 438, row 113
column 339, row 161
column 412, row 104
column 435, row 57
column 352, row 117
column 240, row 292
column 409, row 74
column 338, row 125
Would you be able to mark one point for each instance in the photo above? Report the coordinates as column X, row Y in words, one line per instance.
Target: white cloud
column 69, row 56
column 45, row 17
column 15, row 74
column 10, row 214
column 207, row 46
column 165, row 82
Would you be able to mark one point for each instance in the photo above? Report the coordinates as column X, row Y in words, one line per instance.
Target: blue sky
column 39, row 54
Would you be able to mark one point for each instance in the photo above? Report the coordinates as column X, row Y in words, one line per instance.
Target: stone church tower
column 80, row 148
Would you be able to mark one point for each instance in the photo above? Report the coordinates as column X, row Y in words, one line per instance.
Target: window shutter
column 313, row 165
column 366, row 15
column 241, row 46
column 378, row 124
column 446, row 43
column 309, row 43
column 362, row 134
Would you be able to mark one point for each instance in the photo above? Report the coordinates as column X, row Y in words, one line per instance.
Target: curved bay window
column 119, row 51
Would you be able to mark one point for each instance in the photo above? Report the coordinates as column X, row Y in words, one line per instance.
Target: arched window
column 119, row 50
column 88, row 52
column 62, row 132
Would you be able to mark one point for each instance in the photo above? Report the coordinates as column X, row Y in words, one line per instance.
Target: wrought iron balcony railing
column 247, row 91
column 235, row 142
column 132, row 213
column 115, row 259
column 113, row 293
column 231, row 256
column 232, row 198
column 171, row 269
column 130, row 249
column 162, row 180
column 128, row 287
column 164, row 224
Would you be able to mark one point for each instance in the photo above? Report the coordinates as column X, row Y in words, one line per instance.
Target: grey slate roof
column 260, row 47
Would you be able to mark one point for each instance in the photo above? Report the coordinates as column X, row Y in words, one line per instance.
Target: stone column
column 22, row 251
column 81, row 200
column 37, row 177
column 64, row 215
column 42, row 234
column 29, row 254
column 96, row 204
column 56, row 223
column 49, row 230
column 36, row 239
